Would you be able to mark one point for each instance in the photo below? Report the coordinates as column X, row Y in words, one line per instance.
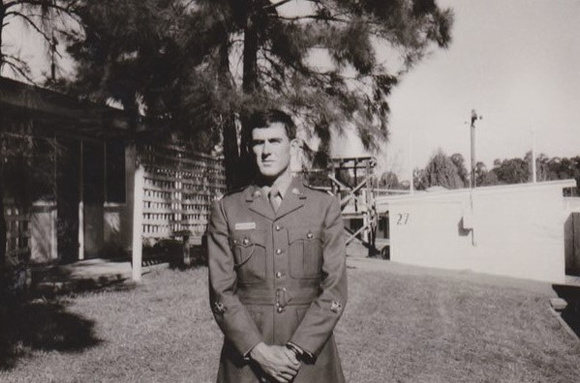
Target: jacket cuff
column 246, row 354
column 299, row 351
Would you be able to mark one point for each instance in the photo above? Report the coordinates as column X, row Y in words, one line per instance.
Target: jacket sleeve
column 324, row 312
column 230, row 314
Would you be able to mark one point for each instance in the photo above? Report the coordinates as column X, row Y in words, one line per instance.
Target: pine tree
column 204, row 66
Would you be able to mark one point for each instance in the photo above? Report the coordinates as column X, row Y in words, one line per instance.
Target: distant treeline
column 451, row 172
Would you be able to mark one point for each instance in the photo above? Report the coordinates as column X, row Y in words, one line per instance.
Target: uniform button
column 278, row 251
column 280, row 309
column 278, row 228
column 279, row 274
column 309, row 235
column 246, row 241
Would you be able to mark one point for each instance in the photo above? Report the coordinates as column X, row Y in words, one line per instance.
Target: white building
column 514, row 230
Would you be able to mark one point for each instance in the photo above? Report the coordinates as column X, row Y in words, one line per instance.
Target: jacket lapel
column 293, row 199
column 259, row 204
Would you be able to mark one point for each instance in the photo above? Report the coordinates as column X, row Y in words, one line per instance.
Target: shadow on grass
column 42, row 325
column 571, row 314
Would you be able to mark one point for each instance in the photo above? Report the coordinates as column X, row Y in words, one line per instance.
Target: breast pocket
column 305, row 258
column 250, row 256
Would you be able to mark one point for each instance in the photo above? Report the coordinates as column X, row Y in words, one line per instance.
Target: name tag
column 245, row 225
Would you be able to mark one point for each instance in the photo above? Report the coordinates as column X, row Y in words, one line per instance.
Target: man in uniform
column 277, row 269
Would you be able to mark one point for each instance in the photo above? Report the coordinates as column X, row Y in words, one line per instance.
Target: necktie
column 274, row 197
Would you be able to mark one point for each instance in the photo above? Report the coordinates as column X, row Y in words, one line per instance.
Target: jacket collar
column 293, row 200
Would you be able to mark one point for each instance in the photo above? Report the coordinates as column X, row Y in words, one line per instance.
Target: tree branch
column 31, row 23
column 276, row 5
column 46, row 4
column 18, row 66
column 313, row 17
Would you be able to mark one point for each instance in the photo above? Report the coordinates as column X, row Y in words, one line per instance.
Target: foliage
column 483, row 177
column 440, row 171
column 44, row 17
column 26, row 173
column 203, row 66
column 389, row 180
column 512, row 171
column 462, row 172
column 519, row 170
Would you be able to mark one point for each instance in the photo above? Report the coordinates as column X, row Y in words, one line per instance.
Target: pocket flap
column 304, row 234
column 248, row 238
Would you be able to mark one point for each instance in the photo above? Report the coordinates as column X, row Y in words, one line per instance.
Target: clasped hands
column 279, row 362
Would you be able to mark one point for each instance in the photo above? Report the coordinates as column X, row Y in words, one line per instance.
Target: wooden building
column 83, row 164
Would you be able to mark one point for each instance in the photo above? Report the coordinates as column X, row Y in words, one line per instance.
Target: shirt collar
column 282, row 183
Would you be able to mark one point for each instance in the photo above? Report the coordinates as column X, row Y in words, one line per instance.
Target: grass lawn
column 397, row 327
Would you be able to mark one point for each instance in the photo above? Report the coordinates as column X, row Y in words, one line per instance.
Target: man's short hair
column 264, row 119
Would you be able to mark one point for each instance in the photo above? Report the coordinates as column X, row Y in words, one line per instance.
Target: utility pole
column 534, row 170
column 411, row 183
column 474, row 117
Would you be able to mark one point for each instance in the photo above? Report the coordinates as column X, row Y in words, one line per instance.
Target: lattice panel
column 18, row 233
column 179, row 187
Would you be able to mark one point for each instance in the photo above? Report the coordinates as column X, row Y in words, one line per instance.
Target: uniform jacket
column 277, row 277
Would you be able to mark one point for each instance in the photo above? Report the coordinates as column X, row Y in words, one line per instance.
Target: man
column 277, row 269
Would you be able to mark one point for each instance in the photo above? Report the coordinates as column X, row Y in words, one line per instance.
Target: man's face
column 272, row 148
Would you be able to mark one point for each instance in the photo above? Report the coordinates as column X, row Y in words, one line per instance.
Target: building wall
column 572, row 235
column 118, row 217
column 43, row 241
column 515, row 230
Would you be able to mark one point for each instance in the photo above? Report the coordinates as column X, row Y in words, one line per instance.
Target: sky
column 516, row 62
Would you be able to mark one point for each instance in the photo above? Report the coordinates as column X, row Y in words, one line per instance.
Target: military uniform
column 278, row 278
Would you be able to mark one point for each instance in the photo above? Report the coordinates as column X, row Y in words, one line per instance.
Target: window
column 115, row 172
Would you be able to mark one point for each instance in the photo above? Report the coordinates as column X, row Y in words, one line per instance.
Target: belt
column 279, row 297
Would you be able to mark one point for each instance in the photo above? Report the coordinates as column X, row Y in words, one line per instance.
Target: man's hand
column 277, row 361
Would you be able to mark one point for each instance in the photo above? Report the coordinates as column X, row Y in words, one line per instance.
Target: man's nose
column 267, row 149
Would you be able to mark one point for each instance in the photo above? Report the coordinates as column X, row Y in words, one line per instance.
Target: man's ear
column 295, row 143
column 295, row 157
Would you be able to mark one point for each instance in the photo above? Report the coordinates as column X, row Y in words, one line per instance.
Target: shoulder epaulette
column 315, row 188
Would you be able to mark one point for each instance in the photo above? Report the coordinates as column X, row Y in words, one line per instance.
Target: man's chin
column 269, row 173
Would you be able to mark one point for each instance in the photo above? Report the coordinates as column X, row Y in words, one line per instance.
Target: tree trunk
column 3, row 228
column 230, row 136
column 231, row 152
column 2, row 15
column 249, row 86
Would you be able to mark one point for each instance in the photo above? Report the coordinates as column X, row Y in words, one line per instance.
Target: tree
column 565, row 168
column 512, row 171
column 441, row 171
column 389, row 180
column 542, row 168
column 562, row 168
column 462, row 172
column 202, row 43
column 419, row 180
column 43, row 17
column 483, row 177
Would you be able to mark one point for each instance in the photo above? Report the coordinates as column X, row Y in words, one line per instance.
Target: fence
column 17, row 234
column 178, row 189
